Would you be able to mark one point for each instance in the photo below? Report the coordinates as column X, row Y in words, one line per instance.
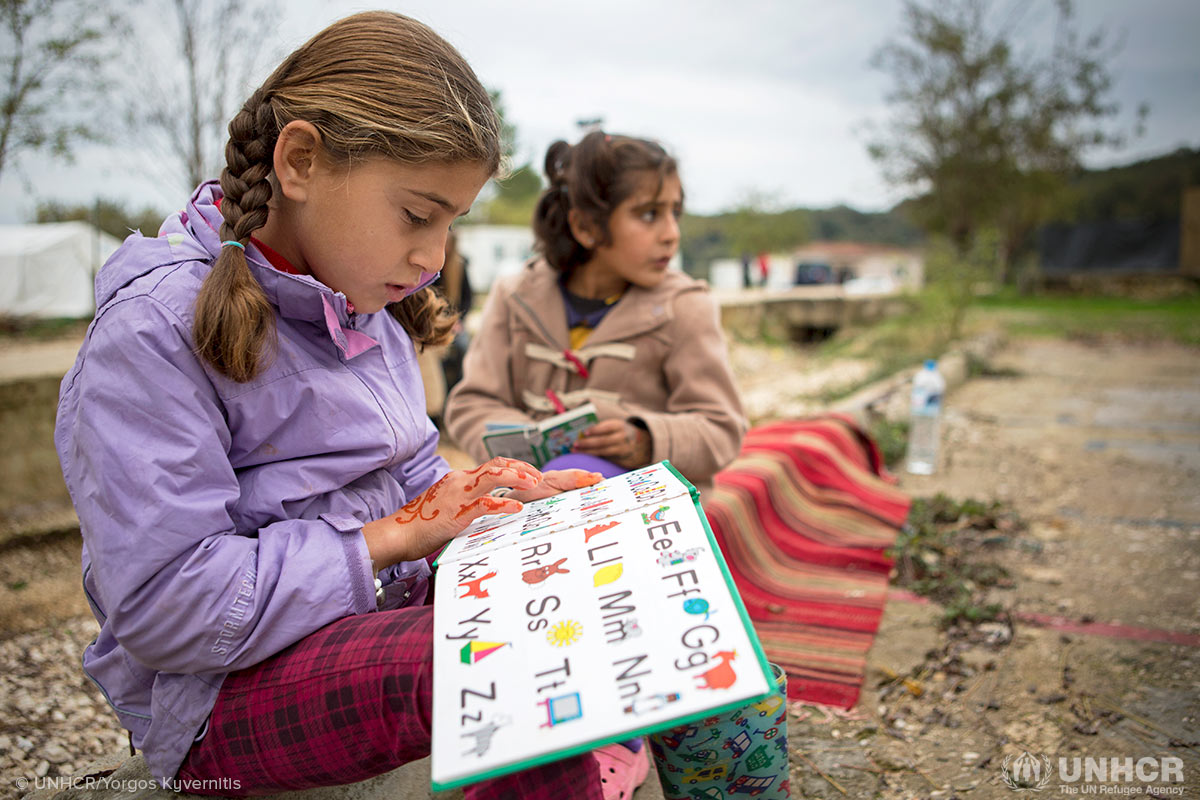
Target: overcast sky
column 756, row 97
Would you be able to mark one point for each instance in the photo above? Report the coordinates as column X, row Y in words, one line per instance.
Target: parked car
column 813, row 272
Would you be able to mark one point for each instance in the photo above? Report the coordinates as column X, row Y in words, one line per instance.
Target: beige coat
column 658, row 355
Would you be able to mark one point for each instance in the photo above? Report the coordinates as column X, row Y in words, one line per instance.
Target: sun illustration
column 564, row 633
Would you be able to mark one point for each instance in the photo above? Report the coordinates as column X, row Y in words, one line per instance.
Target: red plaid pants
column 350, row 701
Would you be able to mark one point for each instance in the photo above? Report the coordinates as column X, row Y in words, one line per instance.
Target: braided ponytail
column 235, row 325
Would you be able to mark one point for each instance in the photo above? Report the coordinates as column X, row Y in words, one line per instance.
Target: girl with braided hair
column 245, row 440
column 600, row 317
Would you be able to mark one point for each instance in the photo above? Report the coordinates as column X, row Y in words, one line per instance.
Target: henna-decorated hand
column 435, row 516
column 556, row 481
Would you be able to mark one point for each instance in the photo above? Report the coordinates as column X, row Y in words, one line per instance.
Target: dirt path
column 1097, row 448
column 21, row 359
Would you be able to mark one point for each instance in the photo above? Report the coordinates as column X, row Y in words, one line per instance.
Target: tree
column 953, row 278
column 510, row 200
column 752, row 228
column 508, row 131
column 52, row 56
column 181, row 109
column 515, row 197
column 984, row 131
column 111, row 216
column 757, row 226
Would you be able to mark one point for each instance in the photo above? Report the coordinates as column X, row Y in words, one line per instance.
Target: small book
column 539, row 442
column 590, row 617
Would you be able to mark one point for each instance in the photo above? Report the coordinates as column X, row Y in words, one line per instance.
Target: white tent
column 48, row 270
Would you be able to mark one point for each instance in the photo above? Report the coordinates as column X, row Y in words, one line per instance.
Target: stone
column 119, row 777
column 55, row 753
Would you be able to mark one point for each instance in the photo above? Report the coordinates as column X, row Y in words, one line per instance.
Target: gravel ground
column 1094, row 446
column 52, row 718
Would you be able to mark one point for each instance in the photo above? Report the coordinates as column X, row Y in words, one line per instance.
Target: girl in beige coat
column 600, row 317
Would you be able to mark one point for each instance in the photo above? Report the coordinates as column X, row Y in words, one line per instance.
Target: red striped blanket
column 803, row 517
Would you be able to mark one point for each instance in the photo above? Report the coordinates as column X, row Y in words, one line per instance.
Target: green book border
column 587, row 747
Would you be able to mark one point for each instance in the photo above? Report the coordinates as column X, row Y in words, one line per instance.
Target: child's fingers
column 564, row 480
column 605, row 428
column 559, row 480
column 605, row 446
column 501, row 471
column 481, row 506
column 597, row 441
column 577, row 478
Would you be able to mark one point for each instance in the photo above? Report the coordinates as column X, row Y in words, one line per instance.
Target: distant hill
column 842, row 223
column 705, row 238
column 1123, row 219
column 1147, row 191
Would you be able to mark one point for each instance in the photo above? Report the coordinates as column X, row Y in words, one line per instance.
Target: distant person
column 764, row 268
column 455, row 284
column 599, row 317
column 441, row 366
column 747, row 281
column 244, row 438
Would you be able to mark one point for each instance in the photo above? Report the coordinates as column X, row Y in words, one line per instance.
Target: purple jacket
column 223, row 521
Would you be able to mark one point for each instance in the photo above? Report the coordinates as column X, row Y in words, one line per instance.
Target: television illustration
column 563, row 708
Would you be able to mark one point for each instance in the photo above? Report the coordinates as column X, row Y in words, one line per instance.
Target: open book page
column 656, row 483
column 611, row 617
column 538, row 443
column 513, row 442
column 560, row 431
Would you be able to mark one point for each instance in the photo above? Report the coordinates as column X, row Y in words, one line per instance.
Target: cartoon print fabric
column 741, row 752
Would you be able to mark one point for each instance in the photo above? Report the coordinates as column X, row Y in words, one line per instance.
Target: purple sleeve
column 143, row 442
column 423, row 468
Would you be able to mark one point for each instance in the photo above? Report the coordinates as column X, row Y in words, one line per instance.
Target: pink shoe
column 621, row 770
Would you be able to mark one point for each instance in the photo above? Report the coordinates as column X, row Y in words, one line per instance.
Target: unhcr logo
column 1029, row 772
column 1026, row 772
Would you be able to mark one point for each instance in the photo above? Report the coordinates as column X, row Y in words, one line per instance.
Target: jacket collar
column 193, row 235
column 638, row 312
column 296, row 296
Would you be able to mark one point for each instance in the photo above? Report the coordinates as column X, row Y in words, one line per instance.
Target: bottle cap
column 930, row 363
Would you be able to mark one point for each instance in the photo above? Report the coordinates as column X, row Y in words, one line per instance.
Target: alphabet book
column 590, row 617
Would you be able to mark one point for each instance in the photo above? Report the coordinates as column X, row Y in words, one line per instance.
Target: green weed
column 942, row 554
column 1175, row 319
column 892, row 438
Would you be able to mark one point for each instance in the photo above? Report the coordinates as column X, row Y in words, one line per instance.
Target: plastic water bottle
column 924, row 420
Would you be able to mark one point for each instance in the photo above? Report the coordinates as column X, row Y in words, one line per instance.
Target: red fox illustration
column 475, row 587
column 588, row 533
